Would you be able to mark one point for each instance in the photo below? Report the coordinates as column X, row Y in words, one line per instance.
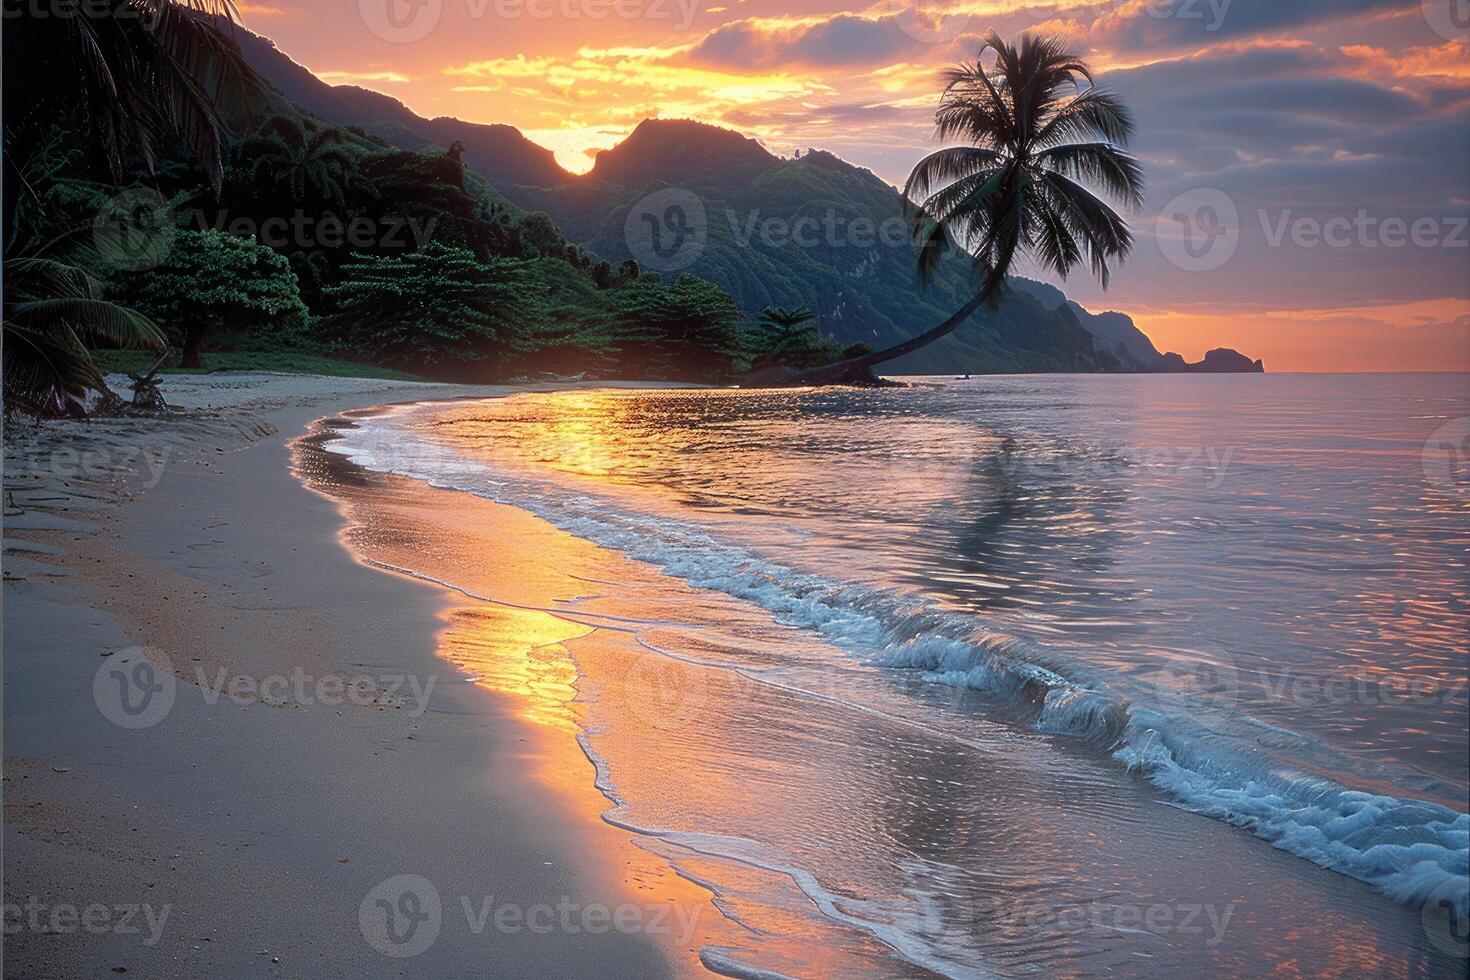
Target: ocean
column 1014, row 675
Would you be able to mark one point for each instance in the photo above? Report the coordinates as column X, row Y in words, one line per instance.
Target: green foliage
column 212, row 280
column 689, row 329
column 788, row 338
column 455, row 281
column 55, row 310
column 146, row 76
column 539, row 235
column 425, row 308
column 312, row 165
column 55, row 313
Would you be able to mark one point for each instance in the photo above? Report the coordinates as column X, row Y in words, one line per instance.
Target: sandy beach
column 328, row 677
column 227, row 740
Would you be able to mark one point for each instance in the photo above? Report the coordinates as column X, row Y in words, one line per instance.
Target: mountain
column 812, row 231
column 1120, row 336
column 1221, row 360
column 496, row 152
column 675, row 153
column 1115, row 332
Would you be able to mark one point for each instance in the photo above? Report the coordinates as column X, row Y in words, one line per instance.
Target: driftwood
column 145, row 386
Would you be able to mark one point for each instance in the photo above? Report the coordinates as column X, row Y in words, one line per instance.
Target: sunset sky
column 1338, row 131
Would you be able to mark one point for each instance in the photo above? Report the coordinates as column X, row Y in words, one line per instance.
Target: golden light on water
column 520, row 653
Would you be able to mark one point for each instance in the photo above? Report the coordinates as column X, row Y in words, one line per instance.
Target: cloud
column 1153, row 25
column 247, row 9
column 356, row 77
column 844, row 39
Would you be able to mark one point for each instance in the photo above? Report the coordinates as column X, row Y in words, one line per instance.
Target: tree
column 142, row 76
column 602, row 274
column 540, row 236
column 212, row 281
column 1036, row 136
column 789, row 338
column 311, row 165
column 424, row 308
column 689, row 329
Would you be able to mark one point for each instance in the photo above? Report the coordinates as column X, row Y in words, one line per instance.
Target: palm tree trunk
column 858, row 370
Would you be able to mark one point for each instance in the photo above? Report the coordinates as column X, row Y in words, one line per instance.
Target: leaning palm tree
column 1040, row 142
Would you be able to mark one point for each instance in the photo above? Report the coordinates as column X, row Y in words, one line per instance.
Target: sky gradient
column 1308, row 161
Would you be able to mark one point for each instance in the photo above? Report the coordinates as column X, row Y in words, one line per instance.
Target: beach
column 335, row 677
column 313, row 747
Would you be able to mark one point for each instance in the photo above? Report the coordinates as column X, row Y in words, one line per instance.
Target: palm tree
column 1037, row 136
column 310, row 163
column 54, row 313
column 139, row 75
column 785, row 320
column 788, row 337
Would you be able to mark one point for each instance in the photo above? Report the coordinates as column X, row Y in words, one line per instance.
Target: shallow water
column 964, row 670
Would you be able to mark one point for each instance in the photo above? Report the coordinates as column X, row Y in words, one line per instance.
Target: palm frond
column 1116, row 173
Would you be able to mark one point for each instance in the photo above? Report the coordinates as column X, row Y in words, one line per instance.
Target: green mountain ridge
column 817, row 231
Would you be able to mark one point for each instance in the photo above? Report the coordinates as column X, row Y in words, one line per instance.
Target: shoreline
column 314, row 748
column 515, row 717
column 540, row 633
column 774, row 742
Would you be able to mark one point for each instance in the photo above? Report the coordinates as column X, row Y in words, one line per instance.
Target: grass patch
column 288, row 362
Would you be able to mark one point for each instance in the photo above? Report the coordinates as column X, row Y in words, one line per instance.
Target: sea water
column 1022, row 674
